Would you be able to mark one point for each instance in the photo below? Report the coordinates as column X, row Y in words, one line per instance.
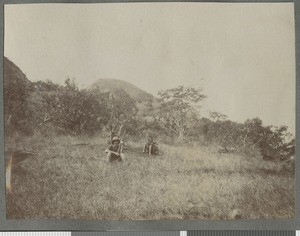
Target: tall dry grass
column 69, row 178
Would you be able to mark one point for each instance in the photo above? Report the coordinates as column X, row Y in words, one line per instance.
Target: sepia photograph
column 149, row 111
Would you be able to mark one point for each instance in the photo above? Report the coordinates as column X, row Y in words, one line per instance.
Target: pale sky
column 244, row 51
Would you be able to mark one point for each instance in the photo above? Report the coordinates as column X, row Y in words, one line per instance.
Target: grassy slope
column 70, row 178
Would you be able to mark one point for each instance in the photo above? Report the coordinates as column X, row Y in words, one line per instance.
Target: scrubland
column 70, row 178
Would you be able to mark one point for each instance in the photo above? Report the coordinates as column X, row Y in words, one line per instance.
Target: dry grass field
column 69, row 178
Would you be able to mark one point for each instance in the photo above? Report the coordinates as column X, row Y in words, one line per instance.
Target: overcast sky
column 243, row 55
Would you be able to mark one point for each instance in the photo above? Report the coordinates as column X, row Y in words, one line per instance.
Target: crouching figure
column 115, row 150
column 151, row 147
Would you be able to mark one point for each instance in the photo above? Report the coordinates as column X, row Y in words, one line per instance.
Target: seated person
column 151, row 147
column 114, row 151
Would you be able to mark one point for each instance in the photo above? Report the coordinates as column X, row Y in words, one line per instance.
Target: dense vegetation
column 50, row 109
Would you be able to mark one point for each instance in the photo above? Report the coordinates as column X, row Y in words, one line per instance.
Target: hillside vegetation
column 208, row 167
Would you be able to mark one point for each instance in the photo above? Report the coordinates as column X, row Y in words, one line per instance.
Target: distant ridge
column 13, row 74
column 113, row 85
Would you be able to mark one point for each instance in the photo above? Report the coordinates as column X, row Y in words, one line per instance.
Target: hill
column 114, row 85
column 13, row 73
column 16, row 92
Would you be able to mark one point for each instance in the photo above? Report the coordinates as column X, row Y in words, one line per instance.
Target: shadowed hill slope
column 16, row 92
column 13, row 72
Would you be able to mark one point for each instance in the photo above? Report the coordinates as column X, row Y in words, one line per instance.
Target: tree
column 72, row 111
column 216, row 116
column 179, row 109
column 273, row 142
column 123, row 110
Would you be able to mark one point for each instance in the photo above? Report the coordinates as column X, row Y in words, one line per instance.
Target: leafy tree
column 179, row 109
column 277, row 143
column 216, row 116
column 122, row 113
column 73, row 111
column 225, row 133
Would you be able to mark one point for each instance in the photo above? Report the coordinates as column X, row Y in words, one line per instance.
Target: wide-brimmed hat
column 115, row 139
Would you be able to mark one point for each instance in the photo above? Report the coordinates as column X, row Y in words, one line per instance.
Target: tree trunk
column 180, row 134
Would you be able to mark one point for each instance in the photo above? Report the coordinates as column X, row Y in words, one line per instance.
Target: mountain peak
column 114, row 85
